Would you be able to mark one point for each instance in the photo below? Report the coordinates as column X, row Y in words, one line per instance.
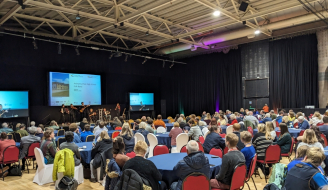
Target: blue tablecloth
column 293, row 132
column 17, row 144
column 224, row 129
column 85, row 153
column 166, row 162
column 164, row 139
column 166, row 120
column 169, row 126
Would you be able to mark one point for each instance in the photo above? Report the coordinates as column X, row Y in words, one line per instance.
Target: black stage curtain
column 207, row 83
column 294, row 72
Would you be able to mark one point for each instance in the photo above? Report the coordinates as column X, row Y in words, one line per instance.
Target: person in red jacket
column 4, row 143
column 233, row 119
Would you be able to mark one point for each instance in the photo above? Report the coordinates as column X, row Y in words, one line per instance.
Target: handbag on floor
column 67, row 183
column 14, row 170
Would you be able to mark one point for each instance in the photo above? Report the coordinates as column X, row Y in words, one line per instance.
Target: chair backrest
column 131, row 154
column 238, row 177
column 277, row 123
column 223, row 135
column 196, row 181
column 229, row 129
column 200, row 146
column 10, row 136
column 39, row 158
column 30, row 153
column 160, row 149
column 250, row 129
column 252, row 167
column 226, row 149
column 277, row 133
column 139, row 137
column 320, row 124
column 272, row 154
column 90, row 138
column 292, row 145
column 115, row 134
column 301, row 133
column 208, row 121
column 183, row 149
column 10, row 155
column 118, row 128
column 17, row 137
column 60, row 140
column 152, row 139
column 66, row 128
column 201, row 139
column 217, row 152
column 323, row 136
column 161, row 129
column 61, row 132
column 182, row 139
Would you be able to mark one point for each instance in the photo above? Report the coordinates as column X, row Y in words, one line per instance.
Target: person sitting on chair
column 86, row 133
column 21, row 130
column 195, row 161
column 49, row 147
column 4, row 143
column 5, row 128
column 213, row 140
column 69, row 136
column 128, row 137
column 77, row 137
column 25, row 143
column 159, row 122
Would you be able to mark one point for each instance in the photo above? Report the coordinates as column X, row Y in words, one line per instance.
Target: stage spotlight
column 59, row 48
column 111, row 55
column 35, row 45
column 216, row 13
column 147, row 33
column 171, row 65
column 257, row 31
column 126, row 57
column 118, row 54
column 163, row 63
column 193, row 48
column 144, row 61
column 77, row 50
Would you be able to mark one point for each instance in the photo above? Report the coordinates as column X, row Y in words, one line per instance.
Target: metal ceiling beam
column 11, row 12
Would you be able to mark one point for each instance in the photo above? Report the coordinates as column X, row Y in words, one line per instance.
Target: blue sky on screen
column 60, row 77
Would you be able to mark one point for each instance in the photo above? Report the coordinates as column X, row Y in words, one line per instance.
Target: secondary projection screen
column 141, row 101
column 13, row 104
column 71, row 88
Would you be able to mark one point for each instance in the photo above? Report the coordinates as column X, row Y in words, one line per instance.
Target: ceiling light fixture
column 77, row 50
column 257, row 31
column 35, row 45
column 111, row 55
column 172, row 65
column 144, row 61
column 216, row 13
column 126, row 58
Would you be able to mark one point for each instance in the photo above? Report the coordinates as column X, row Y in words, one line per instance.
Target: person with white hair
column 266, row 118
column 302, row 123
column 25, row 143
column 233, row 119
column 5, row 128
column 251, row 118
column 195, row 161
column 32, row 124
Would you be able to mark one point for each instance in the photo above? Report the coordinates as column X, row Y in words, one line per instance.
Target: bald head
column 250, row 113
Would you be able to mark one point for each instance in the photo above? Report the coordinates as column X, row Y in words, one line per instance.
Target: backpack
column 278, row 174
column 67, row 183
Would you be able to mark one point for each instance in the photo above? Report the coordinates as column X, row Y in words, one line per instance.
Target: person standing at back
column 266, row 108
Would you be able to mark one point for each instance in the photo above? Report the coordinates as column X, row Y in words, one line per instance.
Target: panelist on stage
column 118, row 109
column 83, row 111
column 2, row 112
column 62, row 114
column 72, row 114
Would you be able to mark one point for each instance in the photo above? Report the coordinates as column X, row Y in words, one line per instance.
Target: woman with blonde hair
column 208, row 116
column 128, row 137
column 309, row 139
column 270, row 129
column 261, row 141
column 317, row 118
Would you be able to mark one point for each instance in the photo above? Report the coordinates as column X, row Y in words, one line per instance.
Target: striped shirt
column 260, row 143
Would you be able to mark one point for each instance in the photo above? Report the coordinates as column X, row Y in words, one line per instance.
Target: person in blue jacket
column 195, row 161
column 302, row 123
column 213, row 140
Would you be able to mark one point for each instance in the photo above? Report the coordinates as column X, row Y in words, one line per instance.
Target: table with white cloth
column 166, row 162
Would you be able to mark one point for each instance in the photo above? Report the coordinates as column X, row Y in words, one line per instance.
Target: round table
column 293, row 132
column 166, row 120
column 166, row 162
column 169, row 126
column 164, row 139
column 85, row 153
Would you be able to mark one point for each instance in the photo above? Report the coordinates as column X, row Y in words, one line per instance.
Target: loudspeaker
column 163, row 108
column 243, row 6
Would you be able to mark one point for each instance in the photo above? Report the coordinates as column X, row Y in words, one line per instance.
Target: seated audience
column 266, row 118
column 143, row 131
column 194, row 131
column 21, row 131
column 302, row 123
column 86, row 133
column 115, row 123
column 208, row 116
column 69, row 136
column 229, row 161
column 238, row 117
column 236, row 129
column 251, row 118
column 316, row 118
column 5, row 128
column 4, row 143
column 144, row 167
column 195, row 161
column 182, row 124
column 83, row 123
column 103, row 144
column 176, row 117
column 25, row 143
column 203, row 115
column 324, row 128
column 54, row 125
column 286, row 121
column 222, row 120
column 216, row 116
column 270, row 129
column 233, row 119
column 280, row 115
column 136, row 125
column 100, row 129
column 48, row 147
column 175, row 131
column 150, row 126
column 242, row 111
column 301, row 153
column 284, row 140
column 318, row 135
column 121, row 119
column 213, row 140
column 309, row 139
column 273, row 115
column 39, row 131
column 306, row 175
column 77, row 137
column 159, row 121
column 291, row 116
column 128, row 137
column 249, row 150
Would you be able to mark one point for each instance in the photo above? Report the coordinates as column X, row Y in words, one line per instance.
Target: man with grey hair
column 251, row 118
column 195, row 161
column 25, row 143
column 5, row 128
column 182, row 123
column 32, row 124
column 266, row 118
column 302, row 123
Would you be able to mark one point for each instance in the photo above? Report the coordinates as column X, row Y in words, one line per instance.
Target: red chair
column 200, row 146
column 201, row 139
column 118, row 128
column 160, row 149
column 323, row 136
column 277, row 123
column 320, row 124
column 208, row 121
column 31, row 154
column 10, row 156
column 295, row 124
column 290, row 151
column 301, row 133
column 223, row 135
column 196, row 181
column 272, row 156
column 217, row 152
column 131, row 154
column 238, row 177
column 183, row 149
column 277, row 133
column 251, row 170
column 115, row 134
column 226, row 149
column 250, row 129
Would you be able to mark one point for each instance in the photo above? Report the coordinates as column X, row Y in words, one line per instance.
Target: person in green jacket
column 284, row 140
column 21, row 130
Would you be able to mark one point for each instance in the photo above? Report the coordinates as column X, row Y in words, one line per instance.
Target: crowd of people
column 241, row 146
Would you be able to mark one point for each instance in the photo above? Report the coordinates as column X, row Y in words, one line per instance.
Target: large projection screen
column 14, row 104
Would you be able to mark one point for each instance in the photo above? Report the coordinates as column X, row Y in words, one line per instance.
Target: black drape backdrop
column 209, row 82
column 294, row 72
